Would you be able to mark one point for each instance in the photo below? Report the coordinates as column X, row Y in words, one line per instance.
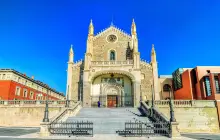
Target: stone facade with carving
column 112, row 73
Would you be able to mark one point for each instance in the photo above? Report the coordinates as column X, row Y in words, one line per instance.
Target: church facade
column 112, row 72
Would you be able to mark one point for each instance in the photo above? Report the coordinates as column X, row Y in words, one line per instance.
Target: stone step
column 108, row 120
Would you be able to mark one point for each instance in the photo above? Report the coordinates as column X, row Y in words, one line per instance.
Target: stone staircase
column 108, row 120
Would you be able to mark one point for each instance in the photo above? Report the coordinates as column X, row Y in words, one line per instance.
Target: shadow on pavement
column 202, row 136
column 18, row 131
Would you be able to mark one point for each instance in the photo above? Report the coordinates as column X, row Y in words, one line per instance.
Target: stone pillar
column 86, row 94
column 212, row 84
column 174, row 129
column 44, row 129
column 136, row 93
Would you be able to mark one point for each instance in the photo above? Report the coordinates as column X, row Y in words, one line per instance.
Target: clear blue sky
column 35, row 35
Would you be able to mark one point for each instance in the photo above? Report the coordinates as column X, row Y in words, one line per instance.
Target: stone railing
column 110, row 63
column 35, row 102
column 61, row 117
column 154, row 113
column 183, row 103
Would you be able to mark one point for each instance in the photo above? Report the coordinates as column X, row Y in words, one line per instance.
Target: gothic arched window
column 112, row 55
column 166, row 88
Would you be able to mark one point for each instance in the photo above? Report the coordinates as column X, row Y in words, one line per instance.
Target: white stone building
column 112, row 71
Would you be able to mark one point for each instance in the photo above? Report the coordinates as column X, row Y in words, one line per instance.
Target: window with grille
column 217, row 84
column 207, row 86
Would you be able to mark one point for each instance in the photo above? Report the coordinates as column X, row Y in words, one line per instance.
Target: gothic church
column 112, row 71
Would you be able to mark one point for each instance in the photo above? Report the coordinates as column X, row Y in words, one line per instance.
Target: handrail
column 154, row 113
column 63, row 113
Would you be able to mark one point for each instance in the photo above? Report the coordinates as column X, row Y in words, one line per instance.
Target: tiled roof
column 35, row 81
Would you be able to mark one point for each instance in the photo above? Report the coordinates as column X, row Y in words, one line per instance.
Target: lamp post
column 152, row 101
column 67, row 97
column 46, row 112
column 152, row 89
column 172, row 118
column 80, row 91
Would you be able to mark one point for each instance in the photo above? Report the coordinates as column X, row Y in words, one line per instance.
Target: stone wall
column 25, row 116
column 102, row 47
column 76, row 78
column 193, row 116
column 146, row 81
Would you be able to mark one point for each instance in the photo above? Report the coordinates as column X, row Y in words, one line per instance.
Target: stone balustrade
column 107, row 63
column 183, row 103
column 34, row 102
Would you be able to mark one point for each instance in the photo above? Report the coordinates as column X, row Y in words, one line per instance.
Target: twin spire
column 91, row 28
column 133, row 32
column 71, row 54
column 153, row 54
column 133, row 28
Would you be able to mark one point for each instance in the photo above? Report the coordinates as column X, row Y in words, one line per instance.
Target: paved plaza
column 106, row 122
column 27, row 133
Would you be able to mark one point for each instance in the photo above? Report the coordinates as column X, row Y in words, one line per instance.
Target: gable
column 111, row 39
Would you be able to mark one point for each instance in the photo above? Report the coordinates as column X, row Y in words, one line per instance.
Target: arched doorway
column 112, row 90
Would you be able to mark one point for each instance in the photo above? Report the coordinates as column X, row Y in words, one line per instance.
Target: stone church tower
column 112, row 72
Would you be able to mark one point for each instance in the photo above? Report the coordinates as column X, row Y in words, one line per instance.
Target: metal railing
column 59, row 126
column 76, row 128
column 157, row 118
column 139, row 129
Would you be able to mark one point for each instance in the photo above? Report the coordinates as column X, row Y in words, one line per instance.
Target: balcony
column 112, row 63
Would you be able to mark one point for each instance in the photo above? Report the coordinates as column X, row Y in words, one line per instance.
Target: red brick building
column 17, row 86
column 200, row 83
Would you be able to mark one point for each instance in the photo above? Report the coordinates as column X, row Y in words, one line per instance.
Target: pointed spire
column 112, row 22
column 153, row 54
column 71, row 48
column 152, row 50
column 71, row 54
column 133, row 28
column 91, row 28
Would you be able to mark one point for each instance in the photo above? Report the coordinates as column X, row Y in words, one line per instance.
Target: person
column 99, row 104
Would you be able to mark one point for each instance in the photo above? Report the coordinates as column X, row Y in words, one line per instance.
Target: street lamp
column 152, row 101
column 172, row 119
column 67, row 97
column 80, row 91
column 46, row 112
column 152, row 89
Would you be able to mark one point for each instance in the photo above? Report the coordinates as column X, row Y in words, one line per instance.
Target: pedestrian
column 99, row 104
